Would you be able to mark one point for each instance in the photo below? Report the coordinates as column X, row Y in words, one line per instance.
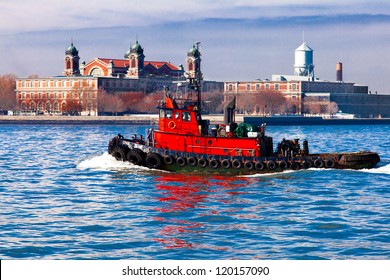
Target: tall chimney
column 339, row 72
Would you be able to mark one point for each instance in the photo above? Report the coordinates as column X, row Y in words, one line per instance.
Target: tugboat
column 185, row 142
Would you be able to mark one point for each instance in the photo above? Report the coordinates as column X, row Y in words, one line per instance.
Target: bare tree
column 7, row 92
column 269, row 102
column 109, row 102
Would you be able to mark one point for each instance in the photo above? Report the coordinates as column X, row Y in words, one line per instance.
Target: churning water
column 63, row 197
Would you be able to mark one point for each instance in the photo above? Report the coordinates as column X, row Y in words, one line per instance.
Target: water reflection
column 184, row 208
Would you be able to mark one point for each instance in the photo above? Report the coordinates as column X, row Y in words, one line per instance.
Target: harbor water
column 62, row 196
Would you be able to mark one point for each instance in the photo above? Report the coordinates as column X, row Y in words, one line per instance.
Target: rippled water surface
column 63, row 197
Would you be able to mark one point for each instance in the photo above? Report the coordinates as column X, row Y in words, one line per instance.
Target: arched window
column 96, row 72
column 40, row 106
column 32, row 106
column 63, row 106
column 132, row 64
column 55, row 106
column 24, row 106
column 48, row 106
column 190, row 66
column 68, row 64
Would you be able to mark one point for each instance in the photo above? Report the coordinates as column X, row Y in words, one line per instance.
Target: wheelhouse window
column 166, row 114
column 186, row 116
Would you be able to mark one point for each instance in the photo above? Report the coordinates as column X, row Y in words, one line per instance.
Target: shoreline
column 147, row 119
column 152, row 119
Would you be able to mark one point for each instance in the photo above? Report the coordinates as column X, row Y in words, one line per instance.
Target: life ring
column 248, row 165
column 202, row 162
column 181, row 161
column 153, row 160
column 259, row 165
column 271, row 165
column 319, row 163
column 136, row 156
column 306, row 164
column 171, row 125
column 236, row 164
column 225, row 163
column 214, row 164
column 294, row 166
column 169, row 159
column 191, row 161
column 283, row 164
column 329, row 163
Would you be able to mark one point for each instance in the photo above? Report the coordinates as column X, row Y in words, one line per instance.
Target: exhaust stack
column 339, row 72
column 229, row 111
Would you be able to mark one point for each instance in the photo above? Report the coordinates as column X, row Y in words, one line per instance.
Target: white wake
column 108, row 162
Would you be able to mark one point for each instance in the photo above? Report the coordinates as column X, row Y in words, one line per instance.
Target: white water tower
column 304, row 61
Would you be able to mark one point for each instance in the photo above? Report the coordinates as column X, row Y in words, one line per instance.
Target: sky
column 240, row 40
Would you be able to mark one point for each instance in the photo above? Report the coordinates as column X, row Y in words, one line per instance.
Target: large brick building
column 77, row 89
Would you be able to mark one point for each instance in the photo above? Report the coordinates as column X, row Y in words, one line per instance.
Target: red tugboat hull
column 188, row 162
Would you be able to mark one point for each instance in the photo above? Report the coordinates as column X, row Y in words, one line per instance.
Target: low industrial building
column 350, row 97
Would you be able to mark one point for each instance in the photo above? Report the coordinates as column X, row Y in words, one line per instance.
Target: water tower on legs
column 304, row 62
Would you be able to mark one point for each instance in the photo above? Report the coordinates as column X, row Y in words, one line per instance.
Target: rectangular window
column 294, row 86
column 186, row 116
column 276, row 86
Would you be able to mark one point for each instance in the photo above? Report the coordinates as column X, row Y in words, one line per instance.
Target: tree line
column 86, row 99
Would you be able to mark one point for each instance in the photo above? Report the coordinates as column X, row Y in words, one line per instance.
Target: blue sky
column 241, row 40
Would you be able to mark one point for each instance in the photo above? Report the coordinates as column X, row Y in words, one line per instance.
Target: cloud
column 25, row 15
column 241, row 40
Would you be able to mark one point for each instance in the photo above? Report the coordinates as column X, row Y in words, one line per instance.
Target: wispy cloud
column 241, row 40
column 25, row 15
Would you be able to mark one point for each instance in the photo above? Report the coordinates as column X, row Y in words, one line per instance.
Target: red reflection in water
column 184, row 193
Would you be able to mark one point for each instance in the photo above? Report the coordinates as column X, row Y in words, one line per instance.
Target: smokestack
column 229, row 111
column 339, row 72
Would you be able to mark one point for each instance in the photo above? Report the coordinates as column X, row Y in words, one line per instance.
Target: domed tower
column 136, row 60
column 193, row 62
column 304, row 61
column 72, row 58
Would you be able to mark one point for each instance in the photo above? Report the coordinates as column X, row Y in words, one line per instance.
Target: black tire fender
column 214, row 164
column 192, row 161
column 226, row 164
column 136, row 157
column 181, row 161
column 306, row 164
column 202, row 162
column 330, row 163
column 154, row 160
column 271, row 165
column 119, row 153
column 259, row 165
column 283, row 164
column 294, row 165
column 249, row 165
column 169, row 159
column 236, row 164
column 319, row 163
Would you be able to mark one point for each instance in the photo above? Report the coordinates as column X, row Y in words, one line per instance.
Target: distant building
column 350, row 97
column 77, row 89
